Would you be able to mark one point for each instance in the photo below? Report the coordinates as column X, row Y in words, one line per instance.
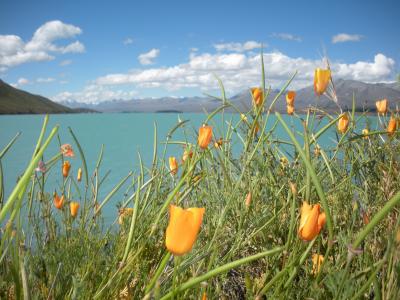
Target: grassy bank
column 255, row 237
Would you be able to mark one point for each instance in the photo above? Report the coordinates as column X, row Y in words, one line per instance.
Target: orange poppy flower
column 311, row 221
column 183, row 228
column 74, row 207
column 79, row 176
column 257, row 96
column 205, row 136
column 187, row 153
column 123, row 213
column 67, row 151
column 392, row 126
column 58, row 201
column 343, row 123
column 321, row 80
column 173, row 165
column 382, row 106
column 290, row 109
column 204, row 297
column 66, row 167
column 317, row 260
column 290, row 97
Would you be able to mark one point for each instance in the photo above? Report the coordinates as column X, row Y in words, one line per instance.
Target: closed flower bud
column 79, row 177
column 173, row 165
column 311, row 221
column 321, row 80
column 66, row 167
column 343, row 123
column 290, row 97
column 258, row 97
column 248, row 200
column 392, row 126
column 183, row 228
column 205, row 136
column 74, row 207
column 58, row 201
column 382, row 106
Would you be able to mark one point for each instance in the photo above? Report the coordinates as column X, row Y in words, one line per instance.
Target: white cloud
column 45, row 80
column 14, row 51
column 238, row 47
column 128, row 41
column 22, row 81
column 65, row 62
column 345, row 37
column 148, row 57
column 240, row 71
column 287, row 37
column 94, row 94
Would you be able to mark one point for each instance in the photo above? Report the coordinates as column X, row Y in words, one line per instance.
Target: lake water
column 123, row 136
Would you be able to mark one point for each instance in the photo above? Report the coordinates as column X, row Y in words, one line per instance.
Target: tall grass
column 245, row 249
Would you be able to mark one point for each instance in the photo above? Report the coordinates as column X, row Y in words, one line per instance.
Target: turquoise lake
column 123, row 136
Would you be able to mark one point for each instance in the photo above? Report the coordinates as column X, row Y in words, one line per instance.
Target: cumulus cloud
column 238, row 47
column 148, row 57
column 287, row 37
column 42, row 47
column 45, row 80
column 94, row 94
column 345, row 37
column 240, row 71
column 128, row 41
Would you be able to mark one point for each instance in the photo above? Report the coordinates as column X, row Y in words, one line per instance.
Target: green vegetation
column 15, row 101
column 248, row 245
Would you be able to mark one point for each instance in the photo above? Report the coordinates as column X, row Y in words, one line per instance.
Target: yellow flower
column 58, row 201
column 365, row 132
column 392, row 126
column 311, row 221
column 343, row 123
column 382, row 106
column 173, row 165
column 243, row 117
column 66, row 167
column 290, row 97
column 317, row 261
column 205, row 136
column 74, row 207
column 290, row 109
column 257, row 96
column 321, row 80
column 183, row 228
column 79, row 177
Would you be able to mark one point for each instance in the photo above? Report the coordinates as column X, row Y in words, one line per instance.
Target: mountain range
column 16, row 101
column 365, row 95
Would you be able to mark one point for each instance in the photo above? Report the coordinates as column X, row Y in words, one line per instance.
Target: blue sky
column 95, row 51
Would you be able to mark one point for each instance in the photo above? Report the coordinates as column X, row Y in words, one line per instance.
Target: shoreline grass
column 255, row 239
